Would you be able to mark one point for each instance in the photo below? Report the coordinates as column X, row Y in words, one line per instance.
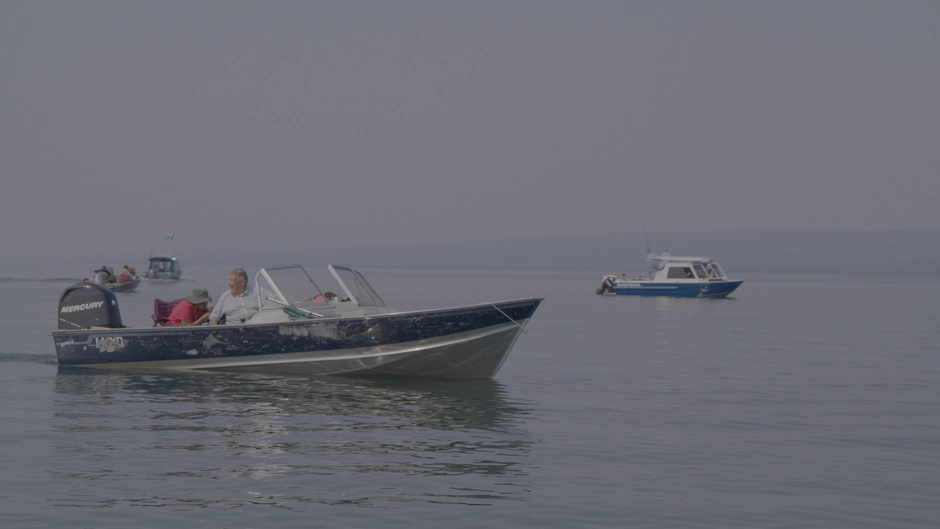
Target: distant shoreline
column 898, row 252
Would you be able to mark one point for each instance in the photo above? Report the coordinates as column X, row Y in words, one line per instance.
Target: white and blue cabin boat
column 683, row 277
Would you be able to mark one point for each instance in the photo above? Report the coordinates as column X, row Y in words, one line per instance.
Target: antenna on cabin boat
column 170, row 238
column 666, row 246
column 648, row 251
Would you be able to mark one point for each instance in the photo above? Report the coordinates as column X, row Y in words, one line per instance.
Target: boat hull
column 130, row 286
column 166, row 276
column 461, row 343
column 712, row 289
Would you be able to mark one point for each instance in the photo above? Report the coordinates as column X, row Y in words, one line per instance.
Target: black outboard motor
column 85, row 305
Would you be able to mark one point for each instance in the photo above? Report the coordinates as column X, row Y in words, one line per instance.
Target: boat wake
column 21, row 357
column 38, row 280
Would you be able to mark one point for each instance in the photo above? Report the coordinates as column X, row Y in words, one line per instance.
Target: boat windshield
column 356, row 287
column 699, row 271
column 290, row 284
column 714, row 271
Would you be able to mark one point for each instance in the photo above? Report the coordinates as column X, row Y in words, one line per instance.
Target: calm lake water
column 803, row 401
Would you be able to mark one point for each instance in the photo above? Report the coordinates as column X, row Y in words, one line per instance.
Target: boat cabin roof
column 164, row 259
column 665, row 258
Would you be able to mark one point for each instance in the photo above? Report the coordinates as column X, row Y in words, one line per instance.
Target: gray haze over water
column 249, row 127
column 534, row 142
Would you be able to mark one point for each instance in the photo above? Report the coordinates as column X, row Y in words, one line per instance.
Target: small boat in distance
column 683, row 277
column 299, row 329
column 126, row 282
column 164, row 267
column 128, row 286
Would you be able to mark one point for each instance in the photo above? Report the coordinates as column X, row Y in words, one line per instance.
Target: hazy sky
column 307, row 124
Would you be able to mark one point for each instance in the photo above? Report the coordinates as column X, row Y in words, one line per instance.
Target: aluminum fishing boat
column 299, row 329
column 128, row 286
column 684, row 277
column 124, row 283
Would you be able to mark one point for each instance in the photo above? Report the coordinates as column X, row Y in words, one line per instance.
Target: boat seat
column 162, row 310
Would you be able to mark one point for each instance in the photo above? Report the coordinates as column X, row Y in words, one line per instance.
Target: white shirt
column 237, row 309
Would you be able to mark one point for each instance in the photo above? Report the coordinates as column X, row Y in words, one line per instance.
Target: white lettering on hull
column 109, row 344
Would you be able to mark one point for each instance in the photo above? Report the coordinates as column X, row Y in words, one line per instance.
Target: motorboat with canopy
column 299, row 328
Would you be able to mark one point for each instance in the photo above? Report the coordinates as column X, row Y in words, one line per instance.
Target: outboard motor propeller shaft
column 85, row 305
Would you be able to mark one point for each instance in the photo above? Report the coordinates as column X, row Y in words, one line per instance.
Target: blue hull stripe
column 680, row 290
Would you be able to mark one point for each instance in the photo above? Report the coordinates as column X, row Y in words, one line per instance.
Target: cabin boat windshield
column 715, row 271
column 163, row 265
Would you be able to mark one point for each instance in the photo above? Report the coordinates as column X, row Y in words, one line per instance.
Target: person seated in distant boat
column 237, row 304
column 192, row 310
column 126, row 276
column 688, row 274
column 107, row 272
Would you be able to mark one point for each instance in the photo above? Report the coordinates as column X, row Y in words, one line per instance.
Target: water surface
column 803, row 401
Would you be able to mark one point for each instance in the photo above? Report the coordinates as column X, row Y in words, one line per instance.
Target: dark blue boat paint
column 106, row 346
column 681, row 290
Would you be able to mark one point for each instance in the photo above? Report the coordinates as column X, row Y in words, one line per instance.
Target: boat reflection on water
column 316, row 433
column 440, row 404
